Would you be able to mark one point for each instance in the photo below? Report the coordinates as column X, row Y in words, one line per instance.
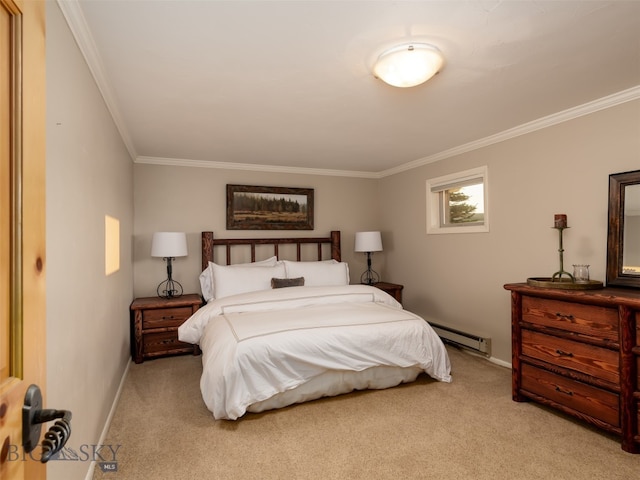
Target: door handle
column 33, row 416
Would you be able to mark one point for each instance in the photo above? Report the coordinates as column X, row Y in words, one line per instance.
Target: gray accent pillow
column 287, row 282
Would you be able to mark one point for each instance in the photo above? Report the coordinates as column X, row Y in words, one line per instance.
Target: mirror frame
column 615, row 237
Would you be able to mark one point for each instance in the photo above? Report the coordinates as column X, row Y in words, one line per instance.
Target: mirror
column 623, row 243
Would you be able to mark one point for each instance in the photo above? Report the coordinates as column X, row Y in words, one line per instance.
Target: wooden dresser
column 579, row 351
column 154, row 326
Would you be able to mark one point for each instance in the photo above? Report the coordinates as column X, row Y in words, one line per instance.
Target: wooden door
column 22, row 226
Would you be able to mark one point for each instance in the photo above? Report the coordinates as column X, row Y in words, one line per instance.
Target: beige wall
column 193, row 199
column 89, row 174
column 454, row 280
column 457, row 279
column 451, row 279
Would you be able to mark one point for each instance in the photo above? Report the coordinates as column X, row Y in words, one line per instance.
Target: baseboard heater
column 462, row 339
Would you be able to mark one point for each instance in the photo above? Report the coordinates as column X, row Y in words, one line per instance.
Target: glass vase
column 581, row 273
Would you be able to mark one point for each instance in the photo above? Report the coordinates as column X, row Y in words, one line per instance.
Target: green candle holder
column 556, row 280
column 558, row 275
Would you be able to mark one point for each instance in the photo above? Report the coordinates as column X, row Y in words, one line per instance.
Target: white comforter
column 258, row 345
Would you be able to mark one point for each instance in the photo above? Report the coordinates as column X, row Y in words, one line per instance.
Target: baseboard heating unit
column 462, row 339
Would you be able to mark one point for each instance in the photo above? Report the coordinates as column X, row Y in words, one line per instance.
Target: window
column 457, row 203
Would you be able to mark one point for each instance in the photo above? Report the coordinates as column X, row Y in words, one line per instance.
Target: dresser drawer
column 637, row 346
column 165, row 317
column 589, row 320
column 589, row 400
column 595, row 361
column 163, row 342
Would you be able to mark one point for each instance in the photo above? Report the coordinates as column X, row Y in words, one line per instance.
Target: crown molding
column 544, row 122
column 75, row 19
column 548, row 121
column 180, row 162
column 72, row 13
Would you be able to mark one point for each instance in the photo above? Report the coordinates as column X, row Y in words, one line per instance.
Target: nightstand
column 154, row 326
column 392, row 289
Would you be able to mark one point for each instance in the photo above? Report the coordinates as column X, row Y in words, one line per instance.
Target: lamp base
column 369, row 277
column 169, row 289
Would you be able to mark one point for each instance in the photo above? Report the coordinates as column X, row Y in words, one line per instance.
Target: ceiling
column 287, row 85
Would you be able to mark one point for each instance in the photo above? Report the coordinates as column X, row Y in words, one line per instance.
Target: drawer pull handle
column 563, row 353
column 167, row 342
column 170, row 317
column 563, row 315
column 566, row 392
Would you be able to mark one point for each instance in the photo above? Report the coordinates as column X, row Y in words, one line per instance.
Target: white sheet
column 261, row 344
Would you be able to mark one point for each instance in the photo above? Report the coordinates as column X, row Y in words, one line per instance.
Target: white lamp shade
column 408, row 65
column 368, row 242
column 169, row 244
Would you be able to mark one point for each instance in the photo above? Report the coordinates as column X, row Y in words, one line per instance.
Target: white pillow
column 206, row 277
column 233, row 280
column 319, row 273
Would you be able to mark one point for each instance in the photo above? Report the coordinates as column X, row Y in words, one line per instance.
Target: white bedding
column 271, row 348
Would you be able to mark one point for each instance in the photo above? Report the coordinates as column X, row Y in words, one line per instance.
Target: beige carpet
column 468, row 429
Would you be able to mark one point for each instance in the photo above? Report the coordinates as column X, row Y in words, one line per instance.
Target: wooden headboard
column 208, row 244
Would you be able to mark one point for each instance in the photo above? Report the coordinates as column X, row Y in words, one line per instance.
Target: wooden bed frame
column 209, row 243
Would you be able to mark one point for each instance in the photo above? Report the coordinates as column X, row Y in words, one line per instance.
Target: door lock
column 33, row 416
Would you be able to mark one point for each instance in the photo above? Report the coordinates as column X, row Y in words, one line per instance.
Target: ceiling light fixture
column 408, row 65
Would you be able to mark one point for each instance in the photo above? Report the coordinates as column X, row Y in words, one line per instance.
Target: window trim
column 438, row 184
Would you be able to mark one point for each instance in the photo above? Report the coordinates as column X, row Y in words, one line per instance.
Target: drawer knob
column 562, row 353
column 170, row 317
column 566, row 392
column 564, row 315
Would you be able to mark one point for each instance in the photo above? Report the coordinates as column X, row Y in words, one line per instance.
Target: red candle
column 560, row 220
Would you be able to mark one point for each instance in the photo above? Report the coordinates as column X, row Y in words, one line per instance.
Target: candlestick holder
column 558, row 275
column 556, row 280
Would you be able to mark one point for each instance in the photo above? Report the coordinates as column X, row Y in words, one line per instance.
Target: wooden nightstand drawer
column 592, row 401
column 155, row 322
column 165, row 317
column 163, row 343
column 596, row 361
column 586, row 320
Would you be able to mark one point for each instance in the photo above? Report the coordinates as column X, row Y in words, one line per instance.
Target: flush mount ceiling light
column 408, row 65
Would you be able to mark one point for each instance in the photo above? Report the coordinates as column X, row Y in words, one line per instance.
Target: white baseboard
column 107, row 423
column 495, row 360
column 502, row 363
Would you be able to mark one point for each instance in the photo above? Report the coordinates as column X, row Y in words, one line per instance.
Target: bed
column 278, row 331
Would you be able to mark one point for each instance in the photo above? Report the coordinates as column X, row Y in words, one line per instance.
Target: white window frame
column 434, row 213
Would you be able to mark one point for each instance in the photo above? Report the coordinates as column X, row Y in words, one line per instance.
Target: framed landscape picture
column 269, row 208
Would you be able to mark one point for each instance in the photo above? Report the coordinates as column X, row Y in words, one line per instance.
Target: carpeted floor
column 468, row 429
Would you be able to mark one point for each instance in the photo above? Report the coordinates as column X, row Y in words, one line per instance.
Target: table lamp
column 169, row 245
column 369, row 242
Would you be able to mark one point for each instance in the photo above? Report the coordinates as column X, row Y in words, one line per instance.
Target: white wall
column 193, row 199
column 458, row 279
column 89, row 175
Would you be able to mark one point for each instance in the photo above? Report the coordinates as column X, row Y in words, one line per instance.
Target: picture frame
column 251, row 207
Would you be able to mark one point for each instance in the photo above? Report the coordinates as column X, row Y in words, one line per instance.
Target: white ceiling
column 288, row 84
